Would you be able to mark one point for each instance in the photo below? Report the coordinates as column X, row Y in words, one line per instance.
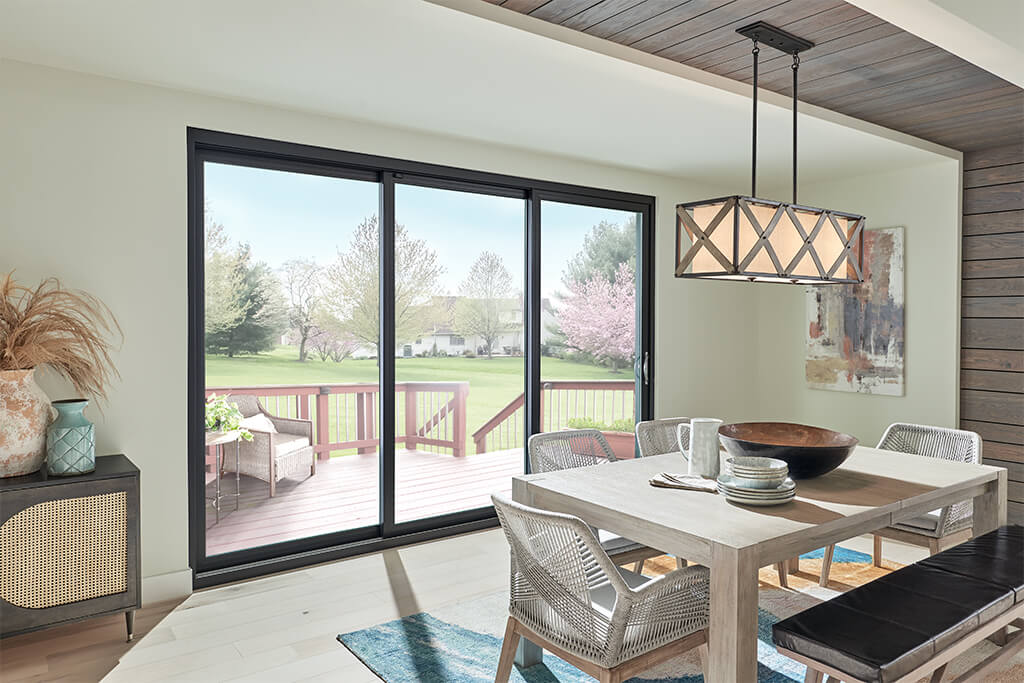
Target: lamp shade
column 760, row 240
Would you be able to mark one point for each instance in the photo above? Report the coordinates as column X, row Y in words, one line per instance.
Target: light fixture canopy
column 762, row 240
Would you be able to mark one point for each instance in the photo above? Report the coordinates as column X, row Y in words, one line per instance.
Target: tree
column 598, row 317
column 257, row 293
column 352, row 288
column 485, row 295
column 604, row 248
column 302, row 286
column 332, row 344
column 223, row 311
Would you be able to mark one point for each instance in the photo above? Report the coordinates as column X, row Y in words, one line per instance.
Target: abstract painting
column 855, row 332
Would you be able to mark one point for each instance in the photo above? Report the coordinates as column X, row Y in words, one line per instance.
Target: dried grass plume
column 71, row 331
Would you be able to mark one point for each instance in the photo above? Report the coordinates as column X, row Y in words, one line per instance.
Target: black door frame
column 207, row 145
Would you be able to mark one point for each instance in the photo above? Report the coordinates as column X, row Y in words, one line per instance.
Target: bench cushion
column 884, row 629
column 996, row 557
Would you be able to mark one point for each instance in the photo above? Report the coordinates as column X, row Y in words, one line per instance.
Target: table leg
column 528, row 654
column 733, row 634
column 219, row 462
column 238, row 485
column 990, row 506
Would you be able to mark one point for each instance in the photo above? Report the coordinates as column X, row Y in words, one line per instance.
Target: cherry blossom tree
column 599, row 317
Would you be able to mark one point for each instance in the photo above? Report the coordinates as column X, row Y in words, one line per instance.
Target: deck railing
column 603, row 401
column 430, row 415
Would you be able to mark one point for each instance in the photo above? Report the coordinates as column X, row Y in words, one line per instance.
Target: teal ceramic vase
column 70, row 440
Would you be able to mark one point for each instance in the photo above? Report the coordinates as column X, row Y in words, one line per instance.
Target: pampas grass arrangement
column 69, row 330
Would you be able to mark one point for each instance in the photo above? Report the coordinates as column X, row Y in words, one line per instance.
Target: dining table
column 872, row 489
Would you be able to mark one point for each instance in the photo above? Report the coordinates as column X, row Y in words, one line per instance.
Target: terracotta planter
column 24, row 415
column 623, row 444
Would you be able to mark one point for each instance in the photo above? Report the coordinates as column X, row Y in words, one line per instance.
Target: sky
column 286, row 216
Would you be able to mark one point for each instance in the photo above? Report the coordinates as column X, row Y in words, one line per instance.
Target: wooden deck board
column 343, row 495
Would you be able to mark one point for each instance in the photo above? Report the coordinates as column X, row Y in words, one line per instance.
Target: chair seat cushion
column 996, row 557
column 614, row 544
column 283, row 444
column 603, row 597
column 926, row 522
column 882, row 630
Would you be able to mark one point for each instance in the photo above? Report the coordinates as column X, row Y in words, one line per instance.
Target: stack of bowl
column 756, row 481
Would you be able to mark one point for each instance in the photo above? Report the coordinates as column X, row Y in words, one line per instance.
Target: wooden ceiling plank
column 788, row 16
column 947, row 116
column 819, row 28
column 1007, row 116
column 602, row 11
column 635, row 16
column 698, row 17
column 524, row 6
column 557, row 11
column 992, row 223
column 924, row 76
column 1009, row 154
column 850, row 41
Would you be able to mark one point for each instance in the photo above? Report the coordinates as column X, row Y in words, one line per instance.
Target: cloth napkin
column 690, row 482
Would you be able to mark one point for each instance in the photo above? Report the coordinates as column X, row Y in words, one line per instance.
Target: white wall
column 925, row 201
column 93, row 190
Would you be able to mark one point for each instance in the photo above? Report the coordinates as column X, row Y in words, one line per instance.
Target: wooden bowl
column 809, row 451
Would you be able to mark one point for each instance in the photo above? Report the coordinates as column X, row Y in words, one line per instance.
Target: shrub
column 623, row 425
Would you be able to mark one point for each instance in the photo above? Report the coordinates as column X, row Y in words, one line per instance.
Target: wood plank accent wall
column 992, row 310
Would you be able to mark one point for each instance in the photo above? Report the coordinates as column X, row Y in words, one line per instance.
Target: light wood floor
column 280, row 628
column 343, row 495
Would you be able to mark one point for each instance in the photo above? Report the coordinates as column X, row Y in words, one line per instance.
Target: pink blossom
column 599, row 317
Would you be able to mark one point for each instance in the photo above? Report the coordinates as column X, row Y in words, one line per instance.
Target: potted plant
column 68, row 331
column 222, row 416
column 618, row 434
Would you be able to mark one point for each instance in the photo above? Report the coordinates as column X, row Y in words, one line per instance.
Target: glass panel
column 589, row 293
column 290, row 289
column 459, row 366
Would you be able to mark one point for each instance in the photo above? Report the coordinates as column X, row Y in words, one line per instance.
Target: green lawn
column 493, row 382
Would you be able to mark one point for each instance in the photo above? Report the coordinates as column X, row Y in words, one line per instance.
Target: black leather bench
column 910, row 623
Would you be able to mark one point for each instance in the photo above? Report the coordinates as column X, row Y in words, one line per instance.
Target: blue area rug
column 463, row 645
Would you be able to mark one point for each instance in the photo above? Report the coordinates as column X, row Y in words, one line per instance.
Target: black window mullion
column 533, row 323
column 386, row 353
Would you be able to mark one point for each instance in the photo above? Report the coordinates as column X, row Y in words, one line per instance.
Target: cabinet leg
column 129, row 622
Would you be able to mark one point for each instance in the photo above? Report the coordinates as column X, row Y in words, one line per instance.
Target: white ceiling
column 422, row 66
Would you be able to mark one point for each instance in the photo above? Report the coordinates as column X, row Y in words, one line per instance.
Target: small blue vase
column 70, row 440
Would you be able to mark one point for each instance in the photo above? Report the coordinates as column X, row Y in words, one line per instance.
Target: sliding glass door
column 390, row 333
column 590, row 340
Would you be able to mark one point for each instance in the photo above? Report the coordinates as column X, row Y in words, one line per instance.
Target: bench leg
column 876, row 552
column 826, row 565
column 813, row 676
column 638, row 568
column 937, row 674
column 680, row 563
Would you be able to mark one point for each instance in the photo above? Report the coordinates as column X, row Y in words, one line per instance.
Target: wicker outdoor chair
column 572, row 448
column 939, row 529
column 568, row 597
column 665, row 435
column 270, row 457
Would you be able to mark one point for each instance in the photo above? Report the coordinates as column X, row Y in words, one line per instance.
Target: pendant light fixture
column 762, row 240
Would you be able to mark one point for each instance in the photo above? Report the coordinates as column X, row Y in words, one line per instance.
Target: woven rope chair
column 572, row 448
column 665, row 435
column 288, row 454
column 952, row 524
column 567, row 596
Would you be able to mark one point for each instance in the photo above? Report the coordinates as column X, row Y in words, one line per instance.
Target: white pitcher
column 703, row 453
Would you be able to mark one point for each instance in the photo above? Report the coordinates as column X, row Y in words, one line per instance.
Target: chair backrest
column 934, row 442
column 248, row 404
column 558, row 559
column 568, row 449
column 665, row 435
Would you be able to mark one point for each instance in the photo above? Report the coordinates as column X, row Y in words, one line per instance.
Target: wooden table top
column 870, row 490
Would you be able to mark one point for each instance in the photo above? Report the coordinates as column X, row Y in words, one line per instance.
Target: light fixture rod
column 796, row 68
column 753, row 143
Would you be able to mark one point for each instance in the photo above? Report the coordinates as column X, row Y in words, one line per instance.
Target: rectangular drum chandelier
column 761, row 240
